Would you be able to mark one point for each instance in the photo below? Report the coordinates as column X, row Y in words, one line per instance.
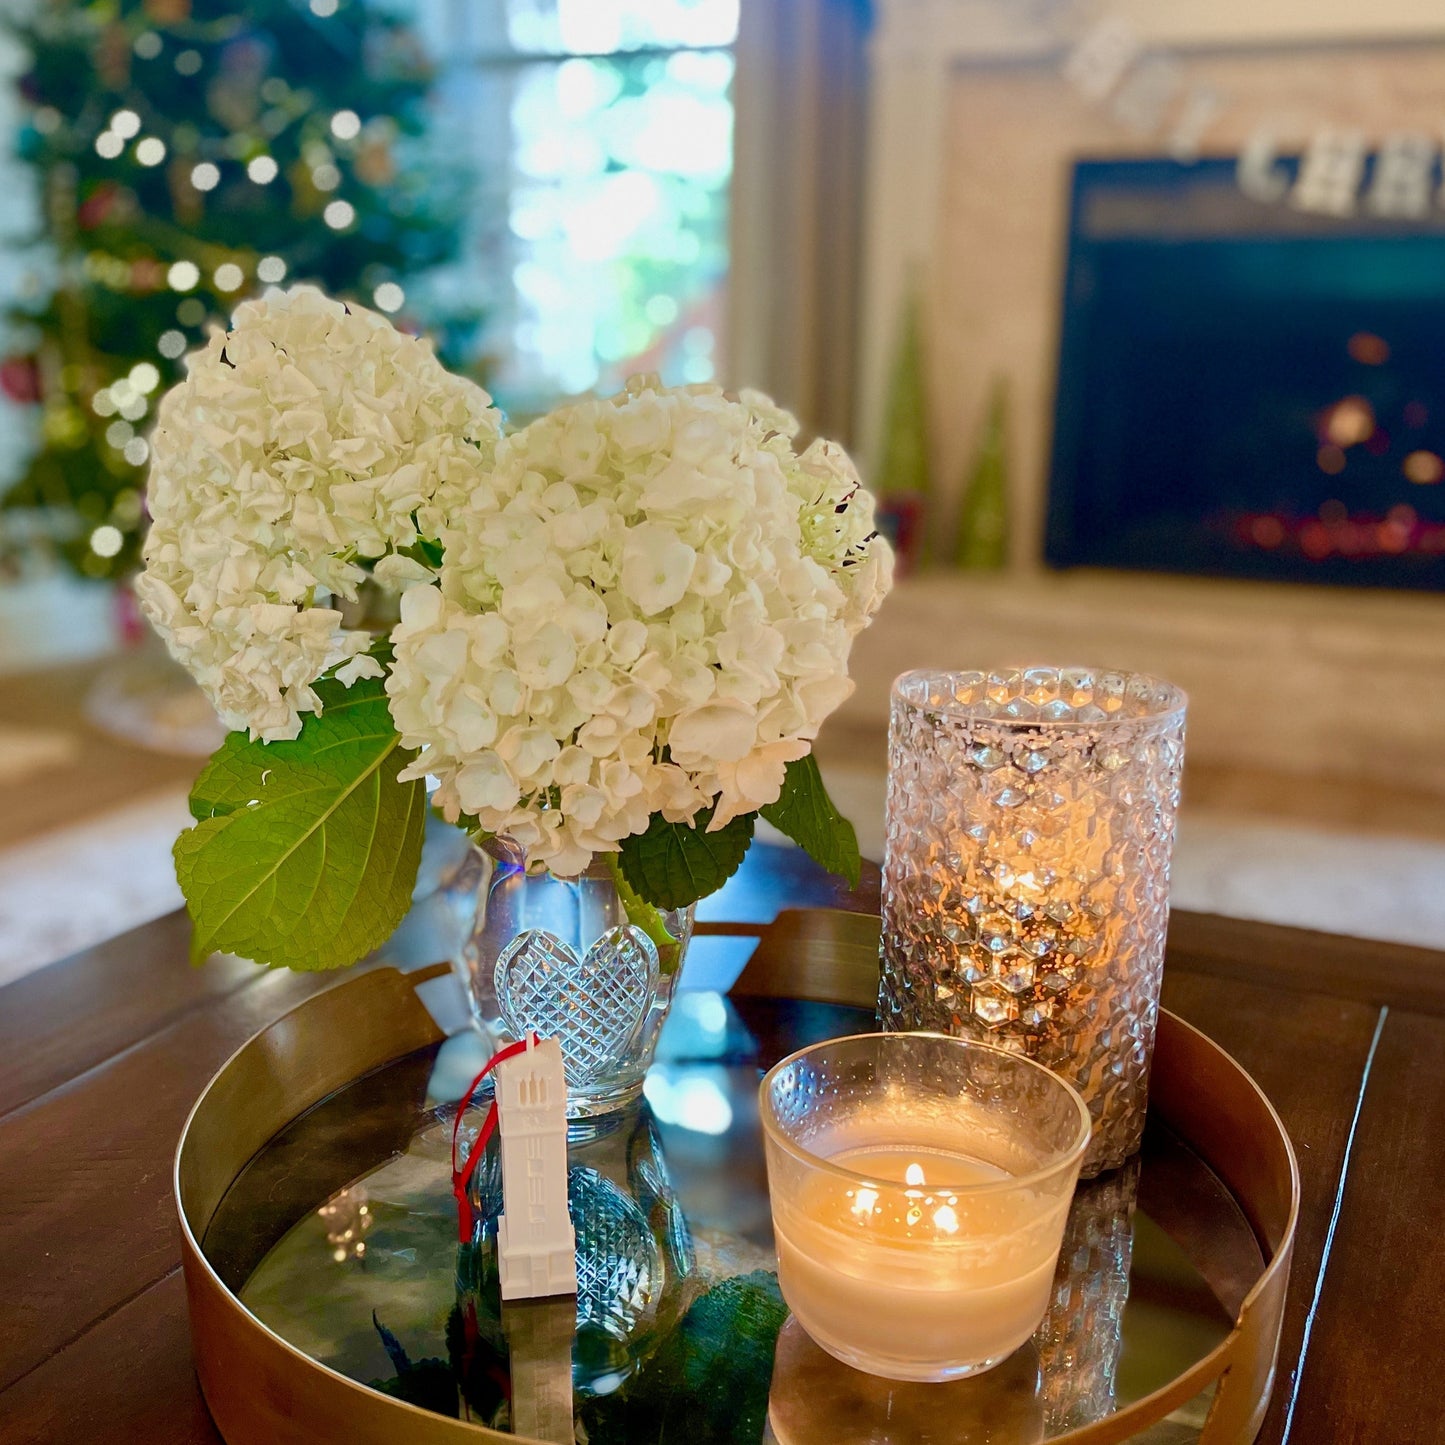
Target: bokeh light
column 389, row 297
column 1368, row 349
column 1424, row 468
column 1350, row 421
column 106, row 541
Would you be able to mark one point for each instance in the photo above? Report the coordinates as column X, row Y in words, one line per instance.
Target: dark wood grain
column 1308, row 1053
column 85, row 1173
column 1373, row 1368
column 127, row 1381
column 1366, row 969
column 60, row 1021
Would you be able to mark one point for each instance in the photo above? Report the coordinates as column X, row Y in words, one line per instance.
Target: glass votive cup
column 920, row 1184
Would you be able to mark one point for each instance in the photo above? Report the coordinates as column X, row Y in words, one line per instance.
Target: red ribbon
column 466, row 1217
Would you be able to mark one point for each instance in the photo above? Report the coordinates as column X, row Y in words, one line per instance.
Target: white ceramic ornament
column 536, row 1245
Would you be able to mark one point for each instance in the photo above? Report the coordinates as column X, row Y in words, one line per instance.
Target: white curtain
column 797, row 200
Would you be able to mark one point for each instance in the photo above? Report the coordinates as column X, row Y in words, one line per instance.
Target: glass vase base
column 590, row 1115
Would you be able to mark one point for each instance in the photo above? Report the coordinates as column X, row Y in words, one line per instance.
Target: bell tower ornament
column 536, row 1245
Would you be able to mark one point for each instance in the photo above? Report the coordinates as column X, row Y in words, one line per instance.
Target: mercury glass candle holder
column 1030, row 822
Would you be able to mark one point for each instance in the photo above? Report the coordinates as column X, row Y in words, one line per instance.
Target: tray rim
column 817, row 955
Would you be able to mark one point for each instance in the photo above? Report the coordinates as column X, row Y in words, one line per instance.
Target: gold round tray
column 1167, row 1305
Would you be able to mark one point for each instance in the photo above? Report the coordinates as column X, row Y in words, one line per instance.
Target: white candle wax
column 932, row 1281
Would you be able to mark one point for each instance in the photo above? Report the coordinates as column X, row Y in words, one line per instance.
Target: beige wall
column 984, row 28
column 1010, row 133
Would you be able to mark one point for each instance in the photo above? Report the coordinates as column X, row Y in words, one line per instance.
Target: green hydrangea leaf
column 671, row 864
column 806, row 813
column 239, row 768
column 306, row 851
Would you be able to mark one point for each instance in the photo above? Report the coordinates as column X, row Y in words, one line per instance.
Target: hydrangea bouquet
column 621, row 627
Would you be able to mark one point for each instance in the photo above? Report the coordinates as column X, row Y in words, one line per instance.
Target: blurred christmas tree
column 190, row 152
column 982, row 541
column 902, row 481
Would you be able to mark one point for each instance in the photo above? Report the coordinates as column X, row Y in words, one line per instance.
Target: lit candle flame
column 864, row 1201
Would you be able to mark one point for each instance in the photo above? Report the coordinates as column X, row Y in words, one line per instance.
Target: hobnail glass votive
column 920, row 1185
column 1030, row 820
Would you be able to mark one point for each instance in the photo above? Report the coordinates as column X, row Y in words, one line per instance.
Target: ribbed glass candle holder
column 1026, row 874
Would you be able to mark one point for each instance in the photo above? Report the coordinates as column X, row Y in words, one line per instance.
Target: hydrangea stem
column 642, row 914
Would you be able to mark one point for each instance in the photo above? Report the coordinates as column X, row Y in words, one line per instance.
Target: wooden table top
column 102, row 1055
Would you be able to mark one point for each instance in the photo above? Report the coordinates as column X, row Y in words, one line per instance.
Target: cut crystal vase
column 561, row 957
column 635, row 1257
column 1026, row 872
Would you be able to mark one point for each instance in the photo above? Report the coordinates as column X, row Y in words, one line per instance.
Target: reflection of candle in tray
column 918, row 1220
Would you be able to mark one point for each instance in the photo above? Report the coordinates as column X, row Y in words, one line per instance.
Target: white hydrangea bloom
column 298, row 448
column 648, row 607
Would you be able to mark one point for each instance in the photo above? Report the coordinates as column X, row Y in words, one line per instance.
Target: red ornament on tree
column 147, row 275
column 97, row 205
column 20, row 379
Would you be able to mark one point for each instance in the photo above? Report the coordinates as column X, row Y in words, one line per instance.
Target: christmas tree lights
column 190, row 152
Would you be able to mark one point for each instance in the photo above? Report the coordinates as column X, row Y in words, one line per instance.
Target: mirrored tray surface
column 341, row 1237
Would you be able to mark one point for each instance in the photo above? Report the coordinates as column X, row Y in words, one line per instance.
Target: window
column 593, row 140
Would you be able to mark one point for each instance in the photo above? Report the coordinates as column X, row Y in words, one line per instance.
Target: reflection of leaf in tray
column 707, row 1382
column 428, row 1384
